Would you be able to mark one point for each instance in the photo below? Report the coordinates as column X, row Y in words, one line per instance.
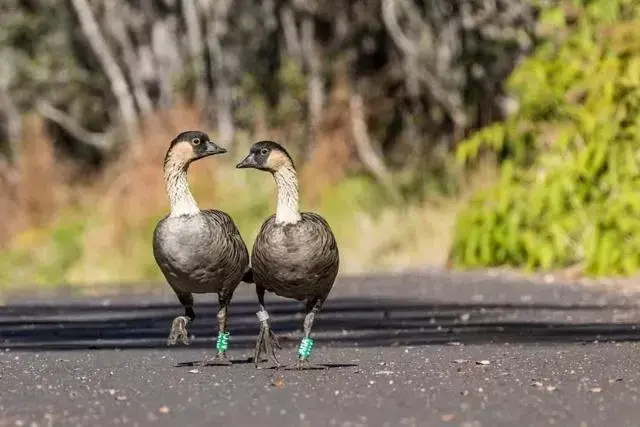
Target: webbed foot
column 221, row 359
column 268, row 343
column 304, row 353
column 179, row 331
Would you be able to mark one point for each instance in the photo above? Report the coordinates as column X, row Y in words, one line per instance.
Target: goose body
column 295, row 255
column 201, row 252
column 298, row 261
column 197, row 251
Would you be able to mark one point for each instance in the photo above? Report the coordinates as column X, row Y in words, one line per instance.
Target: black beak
column 213, row 148
column 248, row 162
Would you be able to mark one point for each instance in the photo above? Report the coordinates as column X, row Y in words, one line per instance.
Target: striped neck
column 287, row 211
column 180, row 197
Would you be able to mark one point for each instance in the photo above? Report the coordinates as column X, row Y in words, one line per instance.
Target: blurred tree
column 422, row 73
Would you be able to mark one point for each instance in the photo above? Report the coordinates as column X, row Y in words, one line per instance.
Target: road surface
column 418, row 349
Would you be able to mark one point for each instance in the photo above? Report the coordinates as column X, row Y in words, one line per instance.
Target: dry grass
column 61, row 231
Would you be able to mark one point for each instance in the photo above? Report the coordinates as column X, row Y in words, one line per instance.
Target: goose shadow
column 317, row 367
column 210, row 363
column 249, row 360
column 344, row 322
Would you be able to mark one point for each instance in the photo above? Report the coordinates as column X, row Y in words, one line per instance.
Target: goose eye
column 195, row 141
column 264, row 151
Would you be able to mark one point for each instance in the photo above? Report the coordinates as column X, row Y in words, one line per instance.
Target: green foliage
column 569, row 191
column 53, row 251
column 66, row 248
column 88, row 246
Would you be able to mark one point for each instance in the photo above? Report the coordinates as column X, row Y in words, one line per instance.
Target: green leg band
column 222, row 344
column 306, row 346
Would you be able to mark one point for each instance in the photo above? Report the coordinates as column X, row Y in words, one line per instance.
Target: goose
column 295, row 254
column 198, row 251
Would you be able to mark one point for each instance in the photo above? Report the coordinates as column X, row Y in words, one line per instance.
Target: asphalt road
column 423, row 349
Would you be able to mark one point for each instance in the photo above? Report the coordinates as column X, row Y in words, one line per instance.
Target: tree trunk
column 196, row 50
column 365, row 149
column 119, row 86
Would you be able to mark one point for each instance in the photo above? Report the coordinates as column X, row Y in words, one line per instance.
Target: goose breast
column 200, row 253
column 298, row 261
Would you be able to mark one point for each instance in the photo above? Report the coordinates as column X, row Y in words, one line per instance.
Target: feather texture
column 298, row 260
column 201, row 252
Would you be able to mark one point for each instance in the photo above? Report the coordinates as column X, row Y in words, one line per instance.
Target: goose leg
column 222, row 342
column 179, row 331
column 306, row 345
column 267, row 340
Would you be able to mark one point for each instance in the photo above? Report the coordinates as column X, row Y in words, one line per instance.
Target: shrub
column 569, row 187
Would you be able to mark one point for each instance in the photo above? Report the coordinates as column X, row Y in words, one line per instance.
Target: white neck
column 180, row 197
column 288, row 211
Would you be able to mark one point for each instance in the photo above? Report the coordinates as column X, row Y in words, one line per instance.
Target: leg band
column 306, row 347
column 223, row 341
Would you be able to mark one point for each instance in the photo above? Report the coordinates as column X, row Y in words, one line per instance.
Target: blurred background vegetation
column 471, row 133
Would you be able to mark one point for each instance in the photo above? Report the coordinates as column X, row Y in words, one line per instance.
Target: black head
column 267, row 156
column 192, row 145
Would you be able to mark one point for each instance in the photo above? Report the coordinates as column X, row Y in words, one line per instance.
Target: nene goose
column 198, row 251
column 295, row 254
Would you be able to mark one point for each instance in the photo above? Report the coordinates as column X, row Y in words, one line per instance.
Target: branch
column 69, row 124
column 390, row 19
column 418, row 56
column 315, row 84
column 116, row 78
column 13, row 126
column 218, row 10
column 268, row 10
column 167, row 57
column 196, row 49
column 290, row 32
column 8, row 107
column 364, row 147
column 471, row 21
column 119, row 31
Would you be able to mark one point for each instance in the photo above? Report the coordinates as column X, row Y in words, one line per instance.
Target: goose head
column 267, row 156
column 190, row 146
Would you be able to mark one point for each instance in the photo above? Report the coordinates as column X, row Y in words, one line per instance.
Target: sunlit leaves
column 569, row 191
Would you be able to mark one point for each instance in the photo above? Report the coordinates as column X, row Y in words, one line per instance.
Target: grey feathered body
column 298, row 261
column 201, row 253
